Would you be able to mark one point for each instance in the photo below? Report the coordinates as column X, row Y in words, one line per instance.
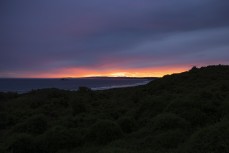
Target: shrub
column 213, row 139
column 8, row 95
column 195, row 117
column 78, row 108
column 35, row 125
column 193, row 69
column 150, row 107
column 224, row 109
column 191, row 111
column 5, row 120
column 22, row 143
column 127, row 124
column 166, row 140
column 84, row 89
column 58, row 138
column 168, row 121
column 105, row 131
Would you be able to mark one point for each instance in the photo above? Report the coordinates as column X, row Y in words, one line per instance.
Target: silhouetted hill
column 179, row 113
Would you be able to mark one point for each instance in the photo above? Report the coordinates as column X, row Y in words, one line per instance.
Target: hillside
column 179, row 113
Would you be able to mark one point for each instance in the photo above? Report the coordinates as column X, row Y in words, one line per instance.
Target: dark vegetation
column 179, row 113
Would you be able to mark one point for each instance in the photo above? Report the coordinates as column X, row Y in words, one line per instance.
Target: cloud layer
column 52, row 35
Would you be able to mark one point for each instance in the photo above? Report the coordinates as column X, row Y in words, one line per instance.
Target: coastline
column 103, row 84
column 121, row 86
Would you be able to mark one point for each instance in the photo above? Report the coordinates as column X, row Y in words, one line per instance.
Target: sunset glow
column 82, row 72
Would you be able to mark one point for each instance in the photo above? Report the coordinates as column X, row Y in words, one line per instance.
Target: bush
column 191, row 111
column 58, row 138
column 78, row 108
column 150, row 107
column 224, row 109
column 35, row 125
column 193, row 69
column 84, row 89
column 105, row 131
column 213, row 139
column 195, row 117
column 168, row 121
column 22, row 143
column 127, row 124
column 5, row 120
column 167, row 140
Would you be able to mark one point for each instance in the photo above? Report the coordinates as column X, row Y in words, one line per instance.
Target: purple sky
column 40, row 36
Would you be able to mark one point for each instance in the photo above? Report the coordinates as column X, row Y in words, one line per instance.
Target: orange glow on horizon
column 86, row 72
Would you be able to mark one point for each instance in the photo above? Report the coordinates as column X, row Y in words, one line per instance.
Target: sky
column 79, row 38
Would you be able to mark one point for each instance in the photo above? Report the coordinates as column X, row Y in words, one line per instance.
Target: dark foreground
column 180, row 113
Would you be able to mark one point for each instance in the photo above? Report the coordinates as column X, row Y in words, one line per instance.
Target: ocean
column 26, row 85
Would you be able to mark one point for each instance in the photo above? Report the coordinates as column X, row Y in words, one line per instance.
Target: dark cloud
column 49, row 34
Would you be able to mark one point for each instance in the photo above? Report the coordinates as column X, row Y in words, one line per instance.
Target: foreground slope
column 179, row 113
